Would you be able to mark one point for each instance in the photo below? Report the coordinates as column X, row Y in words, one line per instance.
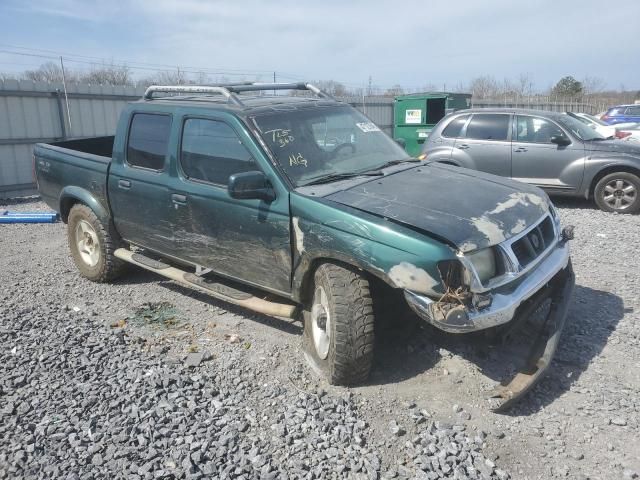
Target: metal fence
column 32, row 112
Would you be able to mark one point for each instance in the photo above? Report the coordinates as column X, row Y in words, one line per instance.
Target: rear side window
column 212, row 151
column 455, row 127
column 635, row 110
column 148, row 140
column 488, row 126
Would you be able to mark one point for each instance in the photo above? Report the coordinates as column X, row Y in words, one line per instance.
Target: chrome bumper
column 503, row 305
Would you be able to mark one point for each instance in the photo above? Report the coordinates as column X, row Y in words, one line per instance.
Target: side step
column 215, row 289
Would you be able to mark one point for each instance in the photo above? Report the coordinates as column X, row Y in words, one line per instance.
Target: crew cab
column 294, row 206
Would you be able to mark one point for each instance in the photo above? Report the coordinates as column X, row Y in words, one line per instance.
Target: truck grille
column 536, row 241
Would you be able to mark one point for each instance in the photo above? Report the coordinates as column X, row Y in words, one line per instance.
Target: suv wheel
column 339, row 325
column 92, row 245
column 618, row 192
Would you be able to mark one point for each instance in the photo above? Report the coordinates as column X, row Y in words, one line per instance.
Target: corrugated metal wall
column 32, row 112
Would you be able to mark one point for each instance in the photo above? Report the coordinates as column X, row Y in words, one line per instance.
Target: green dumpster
column 415, row 115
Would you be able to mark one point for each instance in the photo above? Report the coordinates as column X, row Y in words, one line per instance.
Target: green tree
column 567, row 87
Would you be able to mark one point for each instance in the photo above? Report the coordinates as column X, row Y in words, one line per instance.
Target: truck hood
column 468, row 209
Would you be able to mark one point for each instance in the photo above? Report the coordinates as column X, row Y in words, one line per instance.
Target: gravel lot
column 145, row 379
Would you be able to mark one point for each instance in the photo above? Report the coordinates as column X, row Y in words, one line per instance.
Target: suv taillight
column 621, row 134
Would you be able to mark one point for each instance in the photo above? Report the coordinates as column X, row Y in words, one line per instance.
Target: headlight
column 484, row 263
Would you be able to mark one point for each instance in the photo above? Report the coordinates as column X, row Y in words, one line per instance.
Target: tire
column 618, row 192
column 92, row 245
column 339, row 325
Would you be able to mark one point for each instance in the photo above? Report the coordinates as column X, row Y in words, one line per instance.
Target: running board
column 215, row 289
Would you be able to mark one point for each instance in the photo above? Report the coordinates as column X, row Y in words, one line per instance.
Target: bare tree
column 48, row 72
column 394, row 91
column 483, row 87
column 593, row 85
column 108, row 75
column 524, row 85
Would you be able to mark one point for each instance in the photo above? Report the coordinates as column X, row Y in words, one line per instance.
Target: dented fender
column 395, row 254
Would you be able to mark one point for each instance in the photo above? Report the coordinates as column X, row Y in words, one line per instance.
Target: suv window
column 455, row 126
column 148, row 140
column 536, row 129
column 488, row 126
column 635, row 110
column 211, row 151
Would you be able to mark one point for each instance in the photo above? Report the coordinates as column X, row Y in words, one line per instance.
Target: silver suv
column 549, row 149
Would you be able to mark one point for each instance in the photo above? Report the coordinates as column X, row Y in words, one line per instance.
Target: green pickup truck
column 296, row 206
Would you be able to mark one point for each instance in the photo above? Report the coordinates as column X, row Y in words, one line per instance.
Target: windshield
column 596, row 120
column 313, row 143
column 578, row 128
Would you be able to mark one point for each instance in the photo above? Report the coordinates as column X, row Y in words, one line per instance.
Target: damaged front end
column 502, row 287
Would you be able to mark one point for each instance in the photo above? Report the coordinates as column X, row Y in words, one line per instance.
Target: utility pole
column 66, row 97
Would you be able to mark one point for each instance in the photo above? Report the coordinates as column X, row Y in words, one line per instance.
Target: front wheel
column 339, row 325
column 618, row 192
column 92, row 244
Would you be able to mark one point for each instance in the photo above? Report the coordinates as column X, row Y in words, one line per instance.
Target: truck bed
column 73, row 165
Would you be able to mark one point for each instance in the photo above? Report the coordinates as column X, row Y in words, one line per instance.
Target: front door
column 535, row 160
column 243, row 239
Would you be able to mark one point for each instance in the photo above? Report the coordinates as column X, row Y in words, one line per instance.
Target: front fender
column 73, row 194
column 399, row 256
column 599, row 165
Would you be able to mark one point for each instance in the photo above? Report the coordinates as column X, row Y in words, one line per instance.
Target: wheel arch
column 72, row 195
column 303, row 276
column 608, row 170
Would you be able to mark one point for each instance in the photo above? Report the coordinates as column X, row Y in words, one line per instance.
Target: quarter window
column 212, row 151
column 148, row 140
column 487, row 126
column 536, row 130
column 455, row 127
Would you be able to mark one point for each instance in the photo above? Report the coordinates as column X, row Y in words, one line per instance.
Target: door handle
column 464, row 146
column 520, row 149
column 179, row 199
column 125, row 184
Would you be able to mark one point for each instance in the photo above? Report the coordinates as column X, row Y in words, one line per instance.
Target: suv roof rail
column 229, row 90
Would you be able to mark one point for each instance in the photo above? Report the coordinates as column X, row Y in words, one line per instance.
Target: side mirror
column 560, row 140
column 250, row 185
column 401, row 141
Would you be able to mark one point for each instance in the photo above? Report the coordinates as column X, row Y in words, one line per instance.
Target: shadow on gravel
column 137, row 276
column 575, row 203
column 413, row 347
column 593, row 315
column 291, row 327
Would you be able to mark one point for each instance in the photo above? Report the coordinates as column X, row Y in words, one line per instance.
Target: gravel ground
column 145, row 379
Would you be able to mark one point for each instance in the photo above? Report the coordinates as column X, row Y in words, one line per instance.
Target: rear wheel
column 339, row 325
column 92, row 245
column 618, row 192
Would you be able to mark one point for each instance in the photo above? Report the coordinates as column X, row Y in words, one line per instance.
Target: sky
column 412, row 43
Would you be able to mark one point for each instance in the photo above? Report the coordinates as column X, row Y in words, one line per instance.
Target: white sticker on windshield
column 367, row 127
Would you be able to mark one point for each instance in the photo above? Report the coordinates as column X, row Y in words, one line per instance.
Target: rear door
column 485, row 144
column 137, row 184
column 536, row 160
column 243, row 239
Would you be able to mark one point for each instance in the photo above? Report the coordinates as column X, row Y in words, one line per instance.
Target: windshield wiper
column 401, row 160
column 332, row 177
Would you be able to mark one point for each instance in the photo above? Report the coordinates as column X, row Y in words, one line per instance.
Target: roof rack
column 229, row 90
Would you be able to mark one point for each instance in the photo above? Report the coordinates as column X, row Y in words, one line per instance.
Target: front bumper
column 503, row 305
column 553, row 282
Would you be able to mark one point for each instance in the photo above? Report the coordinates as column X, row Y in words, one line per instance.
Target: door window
column 488, row 126
column 536, row 130
column 455, row 127
column 148, row 140
column 635, row 110
column 211, row 152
